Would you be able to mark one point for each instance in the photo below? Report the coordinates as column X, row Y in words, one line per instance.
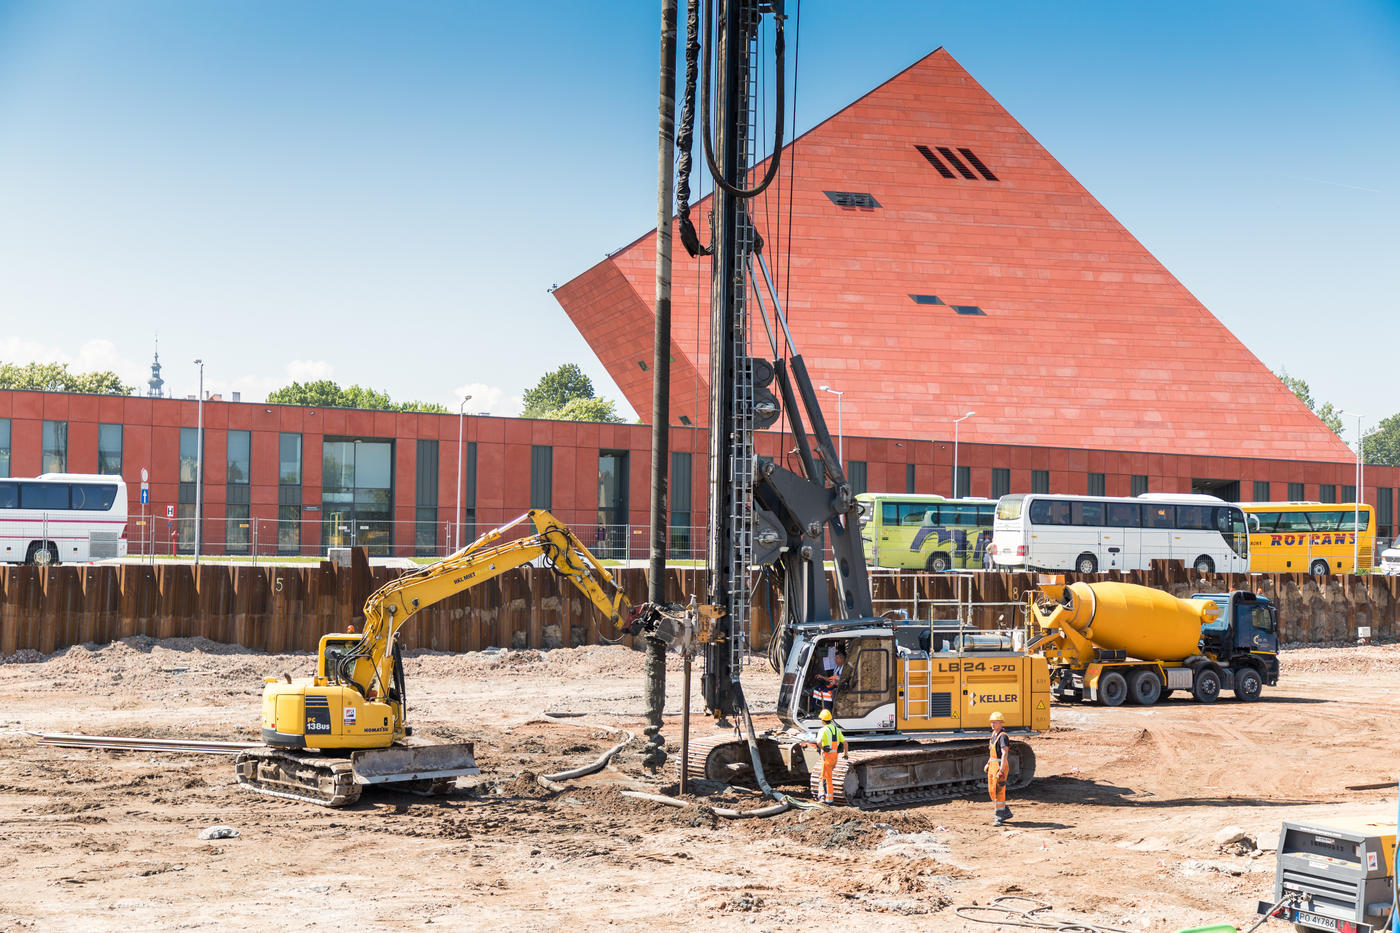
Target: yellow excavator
column 327, row 736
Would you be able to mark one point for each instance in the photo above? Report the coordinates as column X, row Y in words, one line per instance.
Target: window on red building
column 1261, row 491
column 109, row 449
column 1040, row 481
column 237, row 508
column 4, row 446
column 289, row 494
column 680, row 486
column 1096, row 484
column 55, row 453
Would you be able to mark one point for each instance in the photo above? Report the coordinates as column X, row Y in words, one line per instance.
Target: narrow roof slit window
column 957, row 163
column 926, row 299
column 977, row 163
column 685, row 420
column 968, row 309
column 859, row 199
column 642, row 364
column 933, row 160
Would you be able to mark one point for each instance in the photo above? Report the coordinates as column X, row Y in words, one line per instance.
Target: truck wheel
column 1204, row 564
column 1086, row 563
column 938, row 562
column 1113, row 689
column 1248, row 684
column 1146, row 688
column 1318, row 568
column 1207, row 687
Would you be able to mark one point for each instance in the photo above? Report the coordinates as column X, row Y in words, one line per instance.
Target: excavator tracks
column 317, row 779
column 873, row 779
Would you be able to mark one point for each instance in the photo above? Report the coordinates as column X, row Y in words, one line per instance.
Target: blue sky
column 383, row 192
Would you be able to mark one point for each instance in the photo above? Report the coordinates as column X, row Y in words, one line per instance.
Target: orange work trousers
column 828, row 770
column 996, row 784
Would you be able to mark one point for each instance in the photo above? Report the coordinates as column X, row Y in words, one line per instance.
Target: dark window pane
column 93, row 498
column 1293, row 521
column 1327, row 492
column 289, row 526
column 1348, row 493
column 1089, row 514
column 1158, row 516
column 1040, row 512
column 1124, row 515
column 1001, row 482
column 1096, row 484
column 541, row 477
column 1139, row 485
column 909, row 477
column 1295, row 492
column 680, row 482
column 856, row 476
column 1261, row 490
column 964, row 482
column 427, row 475
column 9, row 495
column 239, row 450
column 109, row 449
column 1040, row 481
column 5, row 447
column 189, row 454
column 289, row 459
column 55, row 452
column 50, row 497
column 1194, row 517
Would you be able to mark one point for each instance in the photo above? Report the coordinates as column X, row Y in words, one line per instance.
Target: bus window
column 1263, row 521
column 985, row 514
column 1087, row 513
column 1193, row 517
column 1159, row 516
column 1124, row 515
column 958, row 514
column 9, row 495
column 93, row 498
column 1009, row 508
column 50, row 497
column 1049, row 512
column 1293, row 521
column 928, row 516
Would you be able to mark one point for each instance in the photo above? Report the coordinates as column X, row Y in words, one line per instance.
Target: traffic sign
column 145, row 495
column 170, row 511
column 144, row 476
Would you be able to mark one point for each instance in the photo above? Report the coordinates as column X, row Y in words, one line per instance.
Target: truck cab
column 1245, row 634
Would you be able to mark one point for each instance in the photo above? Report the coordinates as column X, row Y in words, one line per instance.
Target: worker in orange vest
column 828, row 739
column 998, row 767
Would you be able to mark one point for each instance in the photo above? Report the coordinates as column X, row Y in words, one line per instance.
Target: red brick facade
column 1084, row 339
column 151, row 439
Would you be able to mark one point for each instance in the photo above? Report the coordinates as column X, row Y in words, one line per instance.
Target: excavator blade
column 399, row 763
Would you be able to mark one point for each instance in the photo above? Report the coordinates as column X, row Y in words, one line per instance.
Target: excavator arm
column 369, row 665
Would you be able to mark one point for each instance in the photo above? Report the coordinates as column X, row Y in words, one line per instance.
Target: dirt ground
column 1120, row 827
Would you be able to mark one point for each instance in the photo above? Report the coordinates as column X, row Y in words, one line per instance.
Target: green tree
column 589, row 409
column 1383, row 447
column 555, row 390
column 56, row 377
column 566, row 394
column 325, row 393
column 1327, row 412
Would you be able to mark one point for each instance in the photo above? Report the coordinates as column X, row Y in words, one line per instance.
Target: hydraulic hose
column 725, row 812
column 598, row 764
column 778, row 52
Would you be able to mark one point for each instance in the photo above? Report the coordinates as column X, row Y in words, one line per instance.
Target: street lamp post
column 956, row 422
column 840, row 436
column 1360, row 491
column 457, row 519
column 199, row 465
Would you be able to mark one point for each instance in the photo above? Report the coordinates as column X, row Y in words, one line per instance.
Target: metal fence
column 257, row 538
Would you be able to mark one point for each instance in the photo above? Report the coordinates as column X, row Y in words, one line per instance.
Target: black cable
column 779, row 55
column 685, row 139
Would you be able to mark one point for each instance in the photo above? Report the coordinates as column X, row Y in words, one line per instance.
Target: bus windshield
column 1009, row 507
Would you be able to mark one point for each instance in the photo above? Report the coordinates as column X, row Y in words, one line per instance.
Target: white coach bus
column 1088, row 534
column 61, row 517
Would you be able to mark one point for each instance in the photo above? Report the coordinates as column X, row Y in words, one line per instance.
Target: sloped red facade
column 1083, row 340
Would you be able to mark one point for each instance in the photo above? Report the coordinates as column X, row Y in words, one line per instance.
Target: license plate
column 1314, row 920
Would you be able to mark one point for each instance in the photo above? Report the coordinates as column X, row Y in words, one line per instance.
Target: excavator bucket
column 400, row 763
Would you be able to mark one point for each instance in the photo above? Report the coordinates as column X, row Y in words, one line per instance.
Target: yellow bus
column 909, row 531
column 1309, row 537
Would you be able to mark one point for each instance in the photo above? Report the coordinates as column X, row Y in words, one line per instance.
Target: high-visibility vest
column 830, row 737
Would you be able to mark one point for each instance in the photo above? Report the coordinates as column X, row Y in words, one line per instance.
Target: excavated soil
column 1123, row 826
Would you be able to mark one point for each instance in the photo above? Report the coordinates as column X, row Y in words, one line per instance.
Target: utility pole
column 199, row 467
column 655, row 666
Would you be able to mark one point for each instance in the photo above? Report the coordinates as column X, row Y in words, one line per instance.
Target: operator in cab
column 998, row 766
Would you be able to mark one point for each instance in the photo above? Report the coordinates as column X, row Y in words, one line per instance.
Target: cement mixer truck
column 1113, row 642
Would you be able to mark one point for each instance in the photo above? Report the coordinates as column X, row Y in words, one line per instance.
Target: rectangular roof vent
column 968, row 309
column 852, row 199
column 956, row 163
column 927, row 153
column 927, row 299
column 977, row 163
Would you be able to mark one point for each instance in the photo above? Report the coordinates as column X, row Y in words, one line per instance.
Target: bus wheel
column 1319, row 568
column 1204, row 564
column 1146, row 688
column 41, row 554
column 1248, row 684
column 1113, row 689
column 1086, row 563
column 938, row 562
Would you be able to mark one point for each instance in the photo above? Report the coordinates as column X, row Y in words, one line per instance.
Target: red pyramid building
column 943, row 261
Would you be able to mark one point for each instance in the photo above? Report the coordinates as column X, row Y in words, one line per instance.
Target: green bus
column 923, row 532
